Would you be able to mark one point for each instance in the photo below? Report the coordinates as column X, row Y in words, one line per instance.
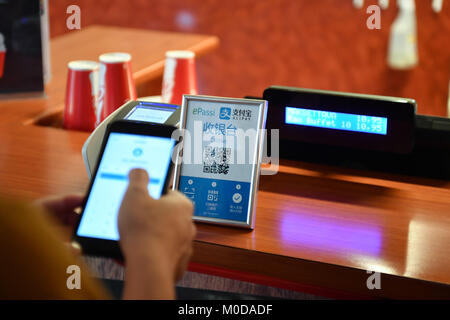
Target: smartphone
column 126, row 145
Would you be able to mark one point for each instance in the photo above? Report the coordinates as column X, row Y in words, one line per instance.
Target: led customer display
column 336, row 120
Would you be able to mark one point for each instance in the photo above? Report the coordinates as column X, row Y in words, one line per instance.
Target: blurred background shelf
column 313, row 44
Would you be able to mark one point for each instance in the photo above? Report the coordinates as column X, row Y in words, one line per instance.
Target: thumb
column 138, row 180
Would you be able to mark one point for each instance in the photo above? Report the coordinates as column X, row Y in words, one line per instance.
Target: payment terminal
column 154, row 112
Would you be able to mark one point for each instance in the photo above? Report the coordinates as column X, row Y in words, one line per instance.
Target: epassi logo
column 225, row 113
column 203, row 112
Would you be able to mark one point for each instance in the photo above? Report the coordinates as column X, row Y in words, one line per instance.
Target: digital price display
column 336, row 120
column 222, row 151
column 306, row 118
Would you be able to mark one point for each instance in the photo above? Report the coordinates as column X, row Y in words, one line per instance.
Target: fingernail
column 138, row 176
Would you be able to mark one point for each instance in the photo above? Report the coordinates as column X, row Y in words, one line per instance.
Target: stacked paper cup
column 95, row 90
column 179, row 76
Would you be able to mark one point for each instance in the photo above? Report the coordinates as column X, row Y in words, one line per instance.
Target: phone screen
column 220, row 182
column 123, row 152
column 151, row 113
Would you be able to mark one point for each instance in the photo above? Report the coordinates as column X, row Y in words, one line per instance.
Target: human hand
column 155, row 233
column 63, row 210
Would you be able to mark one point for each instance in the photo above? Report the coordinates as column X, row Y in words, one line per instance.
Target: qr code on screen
column 216, row 160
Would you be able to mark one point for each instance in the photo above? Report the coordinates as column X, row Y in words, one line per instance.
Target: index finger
column 138, row 178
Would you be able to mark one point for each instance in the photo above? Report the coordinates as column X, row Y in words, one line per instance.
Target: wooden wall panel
column 322, row 44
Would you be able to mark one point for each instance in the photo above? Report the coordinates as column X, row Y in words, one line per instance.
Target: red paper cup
column 2, row 61
column 116, row 83
column 81, row 96
column 179, row 77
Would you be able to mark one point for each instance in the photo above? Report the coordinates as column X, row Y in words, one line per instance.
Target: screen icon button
column 237, row 198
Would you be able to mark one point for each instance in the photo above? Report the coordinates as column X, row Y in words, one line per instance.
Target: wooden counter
column 318, row 228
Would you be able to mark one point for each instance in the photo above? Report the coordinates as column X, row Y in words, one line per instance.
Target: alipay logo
column 225, row 113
